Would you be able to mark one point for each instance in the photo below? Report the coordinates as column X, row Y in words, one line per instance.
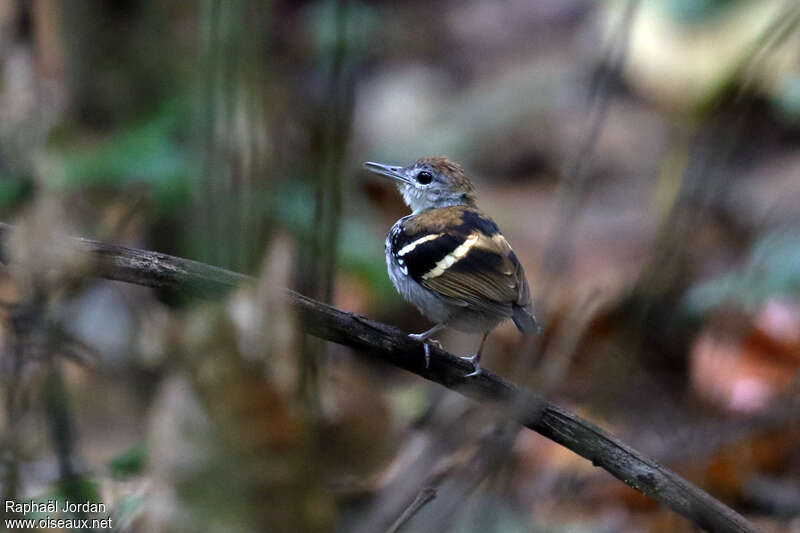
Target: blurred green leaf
column 365, row 260
column 127, row 509
column 130, row 462
column 145, row 153
column 693, row 11
column 80, row 489
column 772, row 269
column 360, row 252
column 359, row 24
column 14, row 191
column 786, row 98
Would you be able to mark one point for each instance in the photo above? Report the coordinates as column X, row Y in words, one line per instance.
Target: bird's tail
column 524, row 320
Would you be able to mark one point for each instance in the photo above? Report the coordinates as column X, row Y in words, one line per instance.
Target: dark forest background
column 641, row 157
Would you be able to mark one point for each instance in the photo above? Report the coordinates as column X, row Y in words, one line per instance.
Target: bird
column 449, row 259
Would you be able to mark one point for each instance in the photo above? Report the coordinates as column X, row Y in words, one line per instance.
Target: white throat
column 418, row 200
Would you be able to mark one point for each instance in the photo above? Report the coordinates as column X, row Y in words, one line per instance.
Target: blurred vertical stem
column 335, row 112
column 8, row 444
column 57, row 407
column 233, row 120
column 206, row 193
column 337, row 130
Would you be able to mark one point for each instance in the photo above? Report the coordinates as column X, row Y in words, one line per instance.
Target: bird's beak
column 395, row 173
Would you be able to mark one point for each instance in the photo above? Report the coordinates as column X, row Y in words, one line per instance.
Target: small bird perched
column 449, row 259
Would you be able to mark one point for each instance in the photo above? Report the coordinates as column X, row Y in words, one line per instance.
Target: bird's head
column 428, row 183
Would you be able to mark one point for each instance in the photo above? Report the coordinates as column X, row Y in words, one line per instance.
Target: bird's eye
column 424, row 177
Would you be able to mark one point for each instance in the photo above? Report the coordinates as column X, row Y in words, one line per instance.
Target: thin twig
column 424, row 496
column 393, row 346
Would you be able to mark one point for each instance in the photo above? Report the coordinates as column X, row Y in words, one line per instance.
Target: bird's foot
column 476, row 364
column 427, row 345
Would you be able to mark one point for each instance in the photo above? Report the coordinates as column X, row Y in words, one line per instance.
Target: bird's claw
column 427, row 343
column 476, row 365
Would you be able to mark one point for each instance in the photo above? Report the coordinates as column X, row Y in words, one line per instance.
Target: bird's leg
column 475, row 359
column 424, row 338
column 425, row 334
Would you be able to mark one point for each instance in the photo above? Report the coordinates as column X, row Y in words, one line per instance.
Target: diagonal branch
column 391, row 345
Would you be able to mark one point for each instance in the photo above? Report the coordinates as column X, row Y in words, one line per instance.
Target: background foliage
column 641, row 156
